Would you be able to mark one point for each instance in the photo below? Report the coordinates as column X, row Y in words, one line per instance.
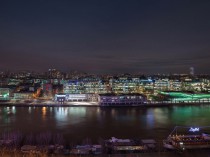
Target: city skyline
column 105, row 37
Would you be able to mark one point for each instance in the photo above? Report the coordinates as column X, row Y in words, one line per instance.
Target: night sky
column 105, row 36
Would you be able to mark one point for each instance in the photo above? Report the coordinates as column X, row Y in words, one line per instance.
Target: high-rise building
column 192, row 72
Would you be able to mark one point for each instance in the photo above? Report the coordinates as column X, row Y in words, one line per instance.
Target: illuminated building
column 47, row 89
column 4, row 82
column 183, row 96
column 115, row 99
column 60, row 97
column 4, row 93
column 85, row 86
column 23, row 95
column 54, row 73
column 125, row 85
column 23, row 74
column 162, row 84
column 95, row 86
column 147, row 84
column 192, row 85
column 15, row 81
column 76, row 97
column 205, row 84
column 73, row 87
column 71, row 97
column 175, row 85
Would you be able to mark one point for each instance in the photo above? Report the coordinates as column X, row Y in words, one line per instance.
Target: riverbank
column 50, row 103
column 195, row 153
column 46, row 103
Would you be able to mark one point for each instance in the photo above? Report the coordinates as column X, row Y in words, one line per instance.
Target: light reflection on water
column 77, row 123
column 44, row 111
column 70, row 115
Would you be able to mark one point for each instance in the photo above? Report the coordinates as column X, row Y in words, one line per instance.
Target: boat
column 116, row 145
column 86, row 150
column 206, row 136
column 29, row 149
column 191, row 138
column 168, row 145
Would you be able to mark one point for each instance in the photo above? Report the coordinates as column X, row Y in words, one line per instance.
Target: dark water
column 78, row 123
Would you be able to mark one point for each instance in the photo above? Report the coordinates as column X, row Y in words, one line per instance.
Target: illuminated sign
column 77, row 96
column 60, row 95
column 194, row 129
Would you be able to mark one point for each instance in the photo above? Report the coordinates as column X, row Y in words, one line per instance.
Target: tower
column 192, row 71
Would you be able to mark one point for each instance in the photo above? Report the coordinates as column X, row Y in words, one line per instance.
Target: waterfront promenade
column 40, row 102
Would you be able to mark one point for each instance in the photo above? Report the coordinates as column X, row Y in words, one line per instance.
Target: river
column 79, row 123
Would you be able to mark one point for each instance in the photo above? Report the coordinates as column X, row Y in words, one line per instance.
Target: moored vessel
column 182, row 138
